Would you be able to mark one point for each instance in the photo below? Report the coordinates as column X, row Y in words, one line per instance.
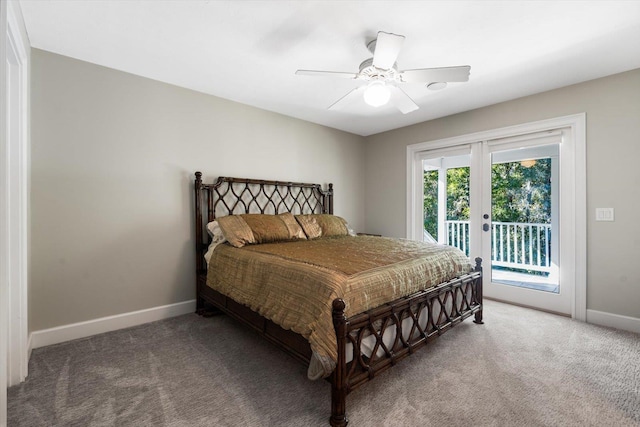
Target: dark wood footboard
column 426, row 315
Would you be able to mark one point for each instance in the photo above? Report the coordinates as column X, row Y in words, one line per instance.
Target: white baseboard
column 107, row 324
column 617, row 321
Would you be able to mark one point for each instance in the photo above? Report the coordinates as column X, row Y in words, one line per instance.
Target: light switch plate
column 604, row 214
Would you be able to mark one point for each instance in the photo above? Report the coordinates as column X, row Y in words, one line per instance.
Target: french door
column 500, row 199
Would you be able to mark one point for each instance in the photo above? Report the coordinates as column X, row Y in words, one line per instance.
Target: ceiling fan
column 382, row 76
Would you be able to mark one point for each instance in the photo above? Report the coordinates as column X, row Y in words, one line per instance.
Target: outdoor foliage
column 520, row 194
column 430, row 180
column 457, row 197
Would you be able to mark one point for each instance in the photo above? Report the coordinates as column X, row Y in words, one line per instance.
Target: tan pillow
column 323, row 225
column 295, row 231
column 274, row 228
column 332, row 225
column 310, row 226
column 236, row 230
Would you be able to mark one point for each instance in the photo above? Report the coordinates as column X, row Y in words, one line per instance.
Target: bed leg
column 478, row 318
column 205, row 310
column 339, row 375
column 478, row 315
column 199, row 305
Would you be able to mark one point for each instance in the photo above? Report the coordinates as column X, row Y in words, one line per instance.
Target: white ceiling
column 248, row 51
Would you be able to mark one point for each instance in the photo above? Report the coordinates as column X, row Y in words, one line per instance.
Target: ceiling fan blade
column 326, row 74
column 347, row 99
column 402, row 101
column 387, row 49
column 433, row 75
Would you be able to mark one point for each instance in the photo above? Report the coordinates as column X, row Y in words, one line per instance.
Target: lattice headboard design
column 234, row 196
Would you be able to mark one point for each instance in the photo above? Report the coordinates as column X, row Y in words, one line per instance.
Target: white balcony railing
column 519, row 245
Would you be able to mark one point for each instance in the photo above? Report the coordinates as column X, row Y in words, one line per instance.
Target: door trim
column 573, row 162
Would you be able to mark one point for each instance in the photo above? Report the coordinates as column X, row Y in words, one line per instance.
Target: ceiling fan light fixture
column 437, row 85
column 376, row 94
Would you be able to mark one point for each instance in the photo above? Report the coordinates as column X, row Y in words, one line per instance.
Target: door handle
column 485, row 227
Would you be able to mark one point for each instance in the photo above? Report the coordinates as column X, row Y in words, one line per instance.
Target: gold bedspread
column 294, row 283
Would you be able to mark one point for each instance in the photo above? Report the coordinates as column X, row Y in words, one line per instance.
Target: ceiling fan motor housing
column 370, row 72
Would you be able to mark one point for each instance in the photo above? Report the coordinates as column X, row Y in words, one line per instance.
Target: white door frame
column 14, row 158
column 573, row 170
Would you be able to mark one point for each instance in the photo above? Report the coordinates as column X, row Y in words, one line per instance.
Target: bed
column 368, row 333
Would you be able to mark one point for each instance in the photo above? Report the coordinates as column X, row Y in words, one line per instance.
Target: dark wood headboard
column 235, row 196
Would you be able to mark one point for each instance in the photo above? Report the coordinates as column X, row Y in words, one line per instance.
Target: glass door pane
column 430, row 204
column 446, row 205
column 524, row 200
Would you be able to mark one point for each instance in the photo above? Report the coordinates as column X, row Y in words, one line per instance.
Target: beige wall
column 113, row 157
column 612, row 107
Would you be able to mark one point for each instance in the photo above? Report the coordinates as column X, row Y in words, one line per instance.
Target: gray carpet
column 527, row 369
